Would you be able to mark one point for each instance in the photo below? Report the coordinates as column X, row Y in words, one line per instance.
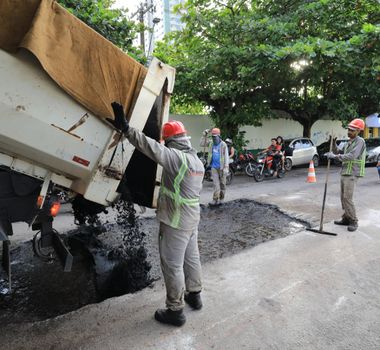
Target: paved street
column 304, row 291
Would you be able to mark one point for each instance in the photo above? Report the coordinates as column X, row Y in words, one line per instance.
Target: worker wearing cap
column 178, row 213
column 353, row 166
column 218, row 160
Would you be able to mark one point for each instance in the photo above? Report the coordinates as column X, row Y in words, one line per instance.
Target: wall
column 259, row 137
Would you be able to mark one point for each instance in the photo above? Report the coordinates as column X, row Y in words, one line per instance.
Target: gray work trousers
column 347, row 187
column 180, row 264
column 219, row 181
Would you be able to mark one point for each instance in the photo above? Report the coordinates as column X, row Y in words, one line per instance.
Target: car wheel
column 316, row 161
column 288, row 164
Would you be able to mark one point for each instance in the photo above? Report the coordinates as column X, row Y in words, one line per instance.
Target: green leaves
column 307, row 58
column 110, row 23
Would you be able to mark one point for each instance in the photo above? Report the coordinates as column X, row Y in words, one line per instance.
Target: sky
column 130, row 4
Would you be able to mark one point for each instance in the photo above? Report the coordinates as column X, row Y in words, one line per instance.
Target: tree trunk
column 306, row 130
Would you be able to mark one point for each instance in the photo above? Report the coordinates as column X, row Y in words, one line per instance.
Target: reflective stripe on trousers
column 180, row 264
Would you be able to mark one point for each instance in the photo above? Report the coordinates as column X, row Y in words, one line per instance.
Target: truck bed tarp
column 87, row 66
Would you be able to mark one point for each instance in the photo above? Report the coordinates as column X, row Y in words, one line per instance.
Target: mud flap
column 50, row 238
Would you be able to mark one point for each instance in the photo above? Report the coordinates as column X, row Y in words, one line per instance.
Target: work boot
column 175, row 318
column 343, row 221
column 214, row 203
column 194, row 300
column 353, row 226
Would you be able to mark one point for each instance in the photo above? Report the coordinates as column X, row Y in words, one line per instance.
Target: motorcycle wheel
column 258, row 175
column 281, row 173
column 250, row 170
column 229, row 178
column 207, row 176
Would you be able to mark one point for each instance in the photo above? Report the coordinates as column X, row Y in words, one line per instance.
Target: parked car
column 325, row 147
column 372, row 145
column 300, row 151
column 373, row 150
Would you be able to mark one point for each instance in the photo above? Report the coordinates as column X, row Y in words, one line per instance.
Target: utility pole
column 142, row 9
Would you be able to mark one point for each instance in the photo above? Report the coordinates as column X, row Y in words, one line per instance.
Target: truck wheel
column 288, row 164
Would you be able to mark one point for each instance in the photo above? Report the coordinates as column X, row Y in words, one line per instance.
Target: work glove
column 205, row 132
column 120, row 122
column 330, row 155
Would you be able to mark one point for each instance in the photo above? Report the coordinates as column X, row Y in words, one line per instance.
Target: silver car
column 373, row 156
column 300, row 151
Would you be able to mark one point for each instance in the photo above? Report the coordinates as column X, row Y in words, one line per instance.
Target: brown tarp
column 87, row 66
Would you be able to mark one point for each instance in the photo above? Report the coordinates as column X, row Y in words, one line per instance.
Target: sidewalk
column 305, row 291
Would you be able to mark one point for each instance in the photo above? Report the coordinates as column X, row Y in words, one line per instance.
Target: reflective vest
column 175, row 195
column 349, row 163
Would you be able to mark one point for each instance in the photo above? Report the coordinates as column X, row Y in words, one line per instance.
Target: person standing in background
column 353, row 167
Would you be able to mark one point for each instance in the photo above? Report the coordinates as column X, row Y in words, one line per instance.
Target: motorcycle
column 251, row 164
column 264, row 167
column 240, row 163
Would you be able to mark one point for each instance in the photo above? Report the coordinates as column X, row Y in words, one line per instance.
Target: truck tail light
column 55, row 209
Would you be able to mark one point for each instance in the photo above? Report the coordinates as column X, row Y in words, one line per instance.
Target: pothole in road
column 122, row 257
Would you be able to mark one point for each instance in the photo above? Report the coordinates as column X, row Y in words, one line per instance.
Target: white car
column 373, row 155
column 300, row 151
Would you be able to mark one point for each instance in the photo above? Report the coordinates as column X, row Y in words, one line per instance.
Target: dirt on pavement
column 114, row 258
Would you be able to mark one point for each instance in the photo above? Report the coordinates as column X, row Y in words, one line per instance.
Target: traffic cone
column 311, row 174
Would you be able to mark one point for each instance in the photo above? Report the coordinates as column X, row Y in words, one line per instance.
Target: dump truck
column 58, row 78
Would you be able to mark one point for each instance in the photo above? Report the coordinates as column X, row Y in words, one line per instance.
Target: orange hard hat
column 215, row 131
column 172, row 128
column 357, row 124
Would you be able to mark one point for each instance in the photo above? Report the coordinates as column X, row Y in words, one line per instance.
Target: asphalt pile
column 121, row 266
column 117, row 253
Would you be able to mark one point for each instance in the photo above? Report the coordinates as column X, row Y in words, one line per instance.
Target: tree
column 110, row 23
column 246, row 59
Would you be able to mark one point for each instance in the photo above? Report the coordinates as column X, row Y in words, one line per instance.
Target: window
column 306, row 143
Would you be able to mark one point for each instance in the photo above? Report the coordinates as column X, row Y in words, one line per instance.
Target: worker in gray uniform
column 178, row 213
column 353, row 166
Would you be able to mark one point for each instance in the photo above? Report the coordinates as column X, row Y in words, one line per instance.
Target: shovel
column 320, row 230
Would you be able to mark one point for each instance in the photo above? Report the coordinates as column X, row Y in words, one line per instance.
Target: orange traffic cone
column 311, row 174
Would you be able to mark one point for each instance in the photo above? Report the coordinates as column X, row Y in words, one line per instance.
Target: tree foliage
column 110, row 23
column 246, row 59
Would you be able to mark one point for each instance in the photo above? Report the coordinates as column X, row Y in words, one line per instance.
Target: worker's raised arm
column 146, row 145
column 152, row 149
